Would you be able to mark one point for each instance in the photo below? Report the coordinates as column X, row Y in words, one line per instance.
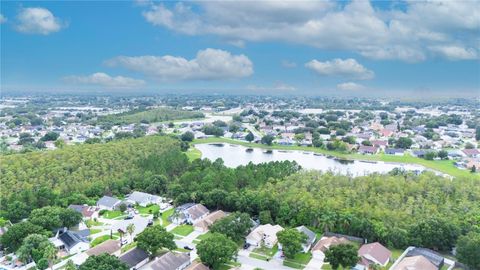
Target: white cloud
column 37, row 21
column 276, row 87
column 288, row 64
column 456, row 52
column 105, row 80
column 398, row 33
column 209, row 64
column 2, row 19
column 348, row 68
column 350, row 86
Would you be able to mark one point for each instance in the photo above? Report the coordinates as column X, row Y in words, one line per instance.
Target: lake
column 236, row 155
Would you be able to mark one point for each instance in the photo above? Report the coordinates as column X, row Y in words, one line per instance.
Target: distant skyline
column 352, row 48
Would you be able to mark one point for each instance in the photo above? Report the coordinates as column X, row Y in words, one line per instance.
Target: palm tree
column 50, row 253
column 130, row 230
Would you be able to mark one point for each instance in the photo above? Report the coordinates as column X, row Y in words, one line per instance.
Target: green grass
column 183, row 230
column 293, row 264
column 91, row 223
column 99, row 240
column 165, row 216
column 269, row 252
column 301, row 258
column 112, row 214
column 202, row 237
column 258, row 256
column 444, row 166
column 128, row 246
column 396, row 253
column 193, row 153
column 150, row 209
column 94, row 231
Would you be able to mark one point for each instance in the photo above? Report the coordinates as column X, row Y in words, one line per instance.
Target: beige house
column 264, row 235
column 318, row 251
column 415, row 263
column 203, row 224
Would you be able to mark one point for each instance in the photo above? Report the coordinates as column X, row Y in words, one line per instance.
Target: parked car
column 124, row 242
column 246, row 246
column 188, row 247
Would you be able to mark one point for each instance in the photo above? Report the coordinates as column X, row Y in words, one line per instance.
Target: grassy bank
column 444, row 166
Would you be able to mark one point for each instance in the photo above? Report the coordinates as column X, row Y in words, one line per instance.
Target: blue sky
column 344, row 48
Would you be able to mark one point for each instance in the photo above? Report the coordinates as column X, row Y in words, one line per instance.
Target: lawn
column 91, row 223
column 202, row 237
column 128, row 246
column 94, row 231
column 258, row 257
column 99, row 240
column 112, row 214
column 301, row 258
column 444, row 166
column 151, row 209
column 165, row 216
column 182, row 230
column 193, row 153
column 266, row 251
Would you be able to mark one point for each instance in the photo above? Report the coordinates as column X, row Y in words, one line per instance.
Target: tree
column 53, row 217
column 131, row 230
column 187, row 136
column 250, row 137
column 430, row 155
column 265, row 217
column 435, row 233
column 36, row 247
column 468, row 250
column 154, row 238
column 292, row 241
column 442, row 154
column 103, row 262
column 235, row 226
column 122, row 207
column 50, row 136
column 477, row 133
column 13, row 238
column 267, row 139
column 469, row 145
column 404, row 143
column 59, row 143
column 70, row 265
column 216, row 250
column 344, row 255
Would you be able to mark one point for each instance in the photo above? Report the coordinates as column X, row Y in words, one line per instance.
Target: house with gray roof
column 189, row 213
column 311, row 237
column 70, row 241
column 108, row 203
column 169, row 261
column 394, row 151
column 134, row 258
column 143, row 199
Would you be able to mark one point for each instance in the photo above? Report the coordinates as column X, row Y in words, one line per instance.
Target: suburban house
column 318, row 251
column 88, row 212
column 311, row 237
column 143, row 199
column 414, row 263
column 108, row 203
column 435, row 258
column 111, row 247
column 379, row 144
column 471, row 152
column 264, row 235
column 203, row 224
column 134, row 258
column 189, row 213
column 394, row 151
column 70, row 242
column 374, row 253
column 169, row 261
column 365, row 149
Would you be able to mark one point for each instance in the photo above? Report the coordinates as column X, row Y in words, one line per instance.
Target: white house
column 70, row 242
column 143, row 199
column 189, row 213
column 264, row 235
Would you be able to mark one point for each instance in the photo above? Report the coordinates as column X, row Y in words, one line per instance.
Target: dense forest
column 397, row 209
column 149, row 116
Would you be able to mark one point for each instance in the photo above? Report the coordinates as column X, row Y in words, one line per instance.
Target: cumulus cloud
column 348, row 68
column 2, row 19
column 209, row 64
column 105, row 80
column 276, row 87
column 406, row 33
column 350, row 86
column 456, row 52
column 37, row 20
column 288, row 64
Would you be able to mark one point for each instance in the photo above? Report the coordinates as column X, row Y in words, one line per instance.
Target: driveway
column 138, row 221
column 249, row 263
column 314, row 264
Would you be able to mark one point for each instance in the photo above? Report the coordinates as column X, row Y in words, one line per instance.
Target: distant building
column 143, row 199
column 134, row 258
column 108, row 203
column 169, row 261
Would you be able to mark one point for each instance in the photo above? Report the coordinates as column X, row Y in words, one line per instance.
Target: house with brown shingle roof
column 414, row 263
column 318, row 251
column 374, row 253
column 203, row 224
column 111, row 247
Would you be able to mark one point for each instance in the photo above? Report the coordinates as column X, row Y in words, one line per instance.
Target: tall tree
column 154, row 238
column 216, row 250
column 291, row 241
column 468, row 250
column 344, row 255
column 12, row 239
column 235, row 226
column 103, row 262
column 249, row 137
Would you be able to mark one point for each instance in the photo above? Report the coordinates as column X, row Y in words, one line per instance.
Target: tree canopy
column 155, row 238
column 216, row 250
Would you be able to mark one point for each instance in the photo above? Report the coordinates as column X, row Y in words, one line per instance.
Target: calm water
column 235, row 155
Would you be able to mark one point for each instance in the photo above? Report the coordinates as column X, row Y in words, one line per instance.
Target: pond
column 236, row 155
